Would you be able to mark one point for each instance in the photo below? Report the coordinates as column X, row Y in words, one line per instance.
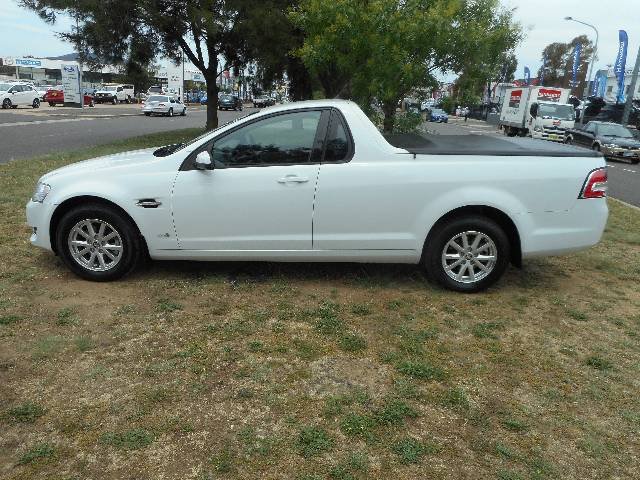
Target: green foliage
column 38, row 452
column 26, row 412
column 410, row 450
column 422, row 370
column 599, row 363
column 352, row 342
column 313, row 441
column 129, row 440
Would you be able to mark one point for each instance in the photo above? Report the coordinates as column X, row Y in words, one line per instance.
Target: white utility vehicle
column 114, row 93
column 14, row 94
column 316, row 181
column 540, row 112
column 167, row 105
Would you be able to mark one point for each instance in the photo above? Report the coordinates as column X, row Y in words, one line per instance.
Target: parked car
column 14, row 94
column 114, row 93
column 163, row 105
column 56, row 97
column 298, row 182
column 613, row 140
column 613, row 113
column 263, row 101
column 229, row 102
column 438, row 115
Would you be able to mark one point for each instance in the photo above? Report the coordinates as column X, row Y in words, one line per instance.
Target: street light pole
column 593, row 60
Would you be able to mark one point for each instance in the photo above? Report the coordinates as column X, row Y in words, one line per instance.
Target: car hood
column 623, row 142
column 126, row 161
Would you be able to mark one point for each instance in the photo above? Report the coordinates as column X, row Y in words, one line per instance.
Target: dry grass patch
column 250, row 370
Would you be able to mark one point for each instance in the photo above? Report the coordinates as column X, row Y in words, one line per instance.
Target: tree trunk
column 300, row 86
column 389, row 110
column 212, row 101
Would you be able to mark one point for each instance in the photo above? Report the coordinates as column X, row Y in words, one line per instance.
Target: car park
column 15, row 94
column 263, row 101
column 229, row 102
column 165, row 105
column 613, row 140
column 56, row 97
column 297, row 183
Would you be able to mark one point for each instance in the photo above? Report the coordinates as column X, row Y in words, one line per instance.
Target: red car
column 56, row 97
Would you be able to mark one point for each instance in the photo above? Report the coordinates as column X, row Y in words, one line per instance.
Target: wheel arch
column 495, row 214
column 72, row 202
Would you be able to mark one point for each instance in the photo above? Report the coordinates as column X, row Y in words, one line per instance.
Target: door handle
column 293, row 179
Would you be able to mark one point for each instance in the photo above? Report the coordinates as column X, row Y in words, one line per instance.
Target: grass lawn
column 304, row 371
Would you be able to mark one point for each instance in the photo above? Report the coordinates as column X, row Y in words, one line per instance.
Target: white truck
column 114, row 93
column 316, row 181
column 539, row 112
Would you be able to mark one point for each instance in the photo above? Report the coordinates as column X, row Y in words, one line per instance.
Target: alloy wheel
column 95, row 245
column 469, row 256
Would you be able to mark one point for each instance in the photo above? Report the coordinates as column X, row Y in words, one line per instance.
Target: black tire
column 36, row 103
column 6, row 103
column 132, row 244
column 92, row 103
column 445, row 231
column 184, row 112
column 596, row 147
column 170, row 114
column 51, row 104
column 114, row 100
column 568, row 140
column 147, row 114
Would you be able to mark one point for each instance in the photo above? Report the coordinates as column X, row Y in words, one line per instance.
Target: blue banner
column 544, row 65
column 576, row 64
column 621, row 63
column 527, row 75
column 599, row 84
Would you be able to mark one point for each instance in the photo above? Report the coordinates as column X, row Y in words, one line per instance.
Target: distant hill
column 69, row 57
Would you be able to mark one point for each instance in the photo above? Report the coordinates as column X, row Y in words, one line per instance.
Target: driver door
column 259, row 195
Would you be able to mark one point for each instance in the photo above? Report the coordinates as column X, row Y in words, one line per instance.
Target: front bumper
column 39, row 218
column 621, row 153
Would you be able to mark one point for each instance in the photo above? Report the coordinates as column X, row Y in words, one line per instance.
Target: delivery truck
column 538, row 112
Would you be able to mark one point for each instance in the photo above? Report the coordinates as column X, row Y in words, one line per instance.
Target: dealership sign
column 71, row 84
column 549, row 95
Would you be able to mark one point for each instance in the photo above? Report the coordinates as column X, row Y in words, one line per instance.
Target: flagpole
column 593, row 59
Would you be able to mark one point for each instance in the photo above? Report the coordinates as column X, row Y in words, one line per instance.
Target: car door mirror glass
column 203, row 161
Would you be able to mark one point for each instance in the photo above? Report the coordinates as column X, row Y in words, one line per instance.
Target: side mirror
column 203, row 161
column 534, row 110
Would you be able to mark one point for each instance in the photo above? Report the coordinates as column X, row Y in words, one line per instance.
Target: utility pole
column 632, row 91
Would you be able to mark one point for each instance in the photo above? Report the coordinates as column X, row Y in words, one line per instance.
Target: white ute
column 316, row 181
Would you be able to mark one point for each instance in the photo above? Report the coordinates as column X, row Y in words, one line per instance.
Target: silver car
column 163, row 105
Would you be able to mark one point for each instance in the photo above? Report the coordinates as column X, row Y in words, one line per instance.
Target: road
column 27, row 133
column 624, row 178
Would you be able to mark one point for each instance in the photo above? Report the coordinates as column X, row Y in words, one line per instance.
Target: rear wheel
column 184, row 112
column 97, row 243
column 36, row 103
column 51, row 104
column 467, row 254
column 6, row 103
column 114, row 100
column 170, row 114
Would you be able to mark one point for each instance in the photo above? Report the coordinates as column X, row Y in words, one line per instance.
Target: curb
column 625, row 203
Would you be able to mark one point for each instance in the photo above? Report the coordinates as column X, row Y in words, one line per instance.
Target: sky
column 24, row 33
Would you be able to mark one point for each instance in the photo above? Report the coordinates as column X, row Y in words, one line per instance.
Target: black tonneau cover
column 426, row 144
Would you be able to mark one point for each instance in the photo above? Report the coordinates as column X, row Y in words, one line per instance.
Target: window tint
column 337, row 147
column 284, row 139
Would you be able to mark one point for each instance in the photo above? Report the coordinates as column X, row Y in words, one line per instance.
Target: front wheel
column 114, row 100
column 6, row 103
column 184, row 112
column 170, row 112
column 36, row 103
column 97, row 243
column 51, row 104
column 467, row 253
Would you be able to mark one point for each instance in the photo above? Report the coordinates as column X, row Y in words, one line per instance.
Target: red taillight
column 595, row 186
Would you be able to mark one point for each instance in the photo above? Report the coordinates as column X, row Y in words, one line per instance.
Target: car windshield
column 157, row 98
column 561, row 112
column 226, row 97
column 437, row 111
column 5, row 86
column 614, row 131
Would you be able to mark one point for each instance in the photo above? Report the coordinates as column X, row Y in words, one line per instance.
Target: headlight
column 611, row 145
column 41, row 192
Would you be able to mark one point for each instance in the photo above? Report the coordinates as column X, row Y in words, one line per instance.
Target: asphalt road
column 26, row 133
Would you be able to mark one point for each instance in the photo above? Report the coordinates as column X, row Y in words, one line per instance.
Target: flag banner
column 621, row 63
column 527, row 76
column 576, row 64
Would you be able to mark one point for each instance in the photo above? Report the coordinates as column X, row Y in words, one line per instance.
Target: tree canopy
column 557, row 60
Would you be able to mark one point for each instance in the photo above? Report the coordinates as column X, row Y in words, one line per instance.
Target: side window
column 119, row 89
column 337, row 147
column 281, row 140
column 591, row 128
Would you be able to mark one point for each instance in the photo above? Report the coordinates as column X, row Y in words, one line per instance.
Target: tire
column 184, row 112
column 92, row 103
column 36, row 103
column 128, row 99
column 568, row 140
column 51, row 104
column 170, row 113
column 595, row 147
column 114, row 100
column 131, row 245
column 493, row 240
column 147, row 114
column 6, row 103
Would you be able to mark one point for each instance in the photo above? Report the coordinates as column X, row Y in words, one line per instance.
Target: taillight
column 595, row 186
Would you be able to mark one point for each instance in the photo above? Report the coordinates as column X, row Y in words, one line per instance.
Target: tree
column 385, row 49
column 557, row 60
column 134, row 33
